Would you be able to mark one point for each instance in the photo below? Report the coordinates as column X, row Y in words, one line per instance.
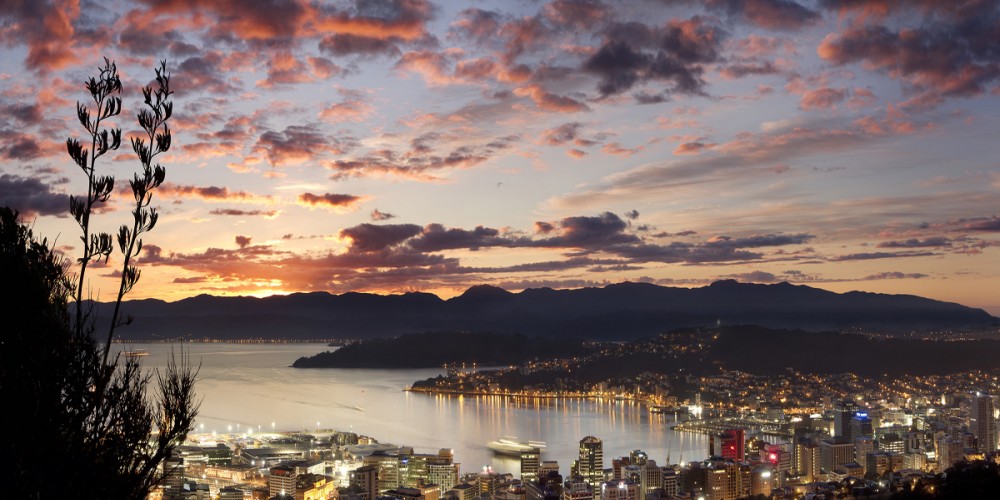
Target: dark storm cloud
column 31, row 196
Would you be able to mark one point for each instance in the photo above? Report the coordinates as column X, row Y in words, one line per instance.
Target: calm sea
column 253, row 386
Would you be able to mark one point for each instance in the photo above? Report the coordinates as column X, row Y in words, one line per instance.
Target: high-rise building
column 651, row 477
column 282, row 480
column 861, row 426
column 835, row 452
column 366, row 478
column 529, row 464
column 862, row 447
column 982, row 423
column 842, row 414
column 733, row 444
column 590, row 465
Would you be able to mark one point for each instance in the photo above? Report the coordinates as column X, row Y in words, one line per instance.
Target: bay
column 252, row 386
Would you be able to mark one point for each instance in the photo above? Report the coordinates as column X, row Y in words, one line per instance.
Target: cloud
column 20, row 147
column 31, row 196
column 937, row 241
column 208, row 193
column 372, row 237
column 378, row 215
column 346, row 44
column 692, row 148
column 297, row 144
column 767, row 14
column 634, row 53
column 759, row 240
column 243, row 213
column 754, row 277
column 242, row 241
column 421, row 160
column 548, row 101
column 330, row 200
column 880, row 255
column 987, row 224
column 822, row 98
column 947, row 55
column 893, row 275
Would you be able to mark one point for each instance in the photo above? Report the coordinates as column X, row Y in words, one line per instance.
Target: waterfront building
column 530, row 464
column 982, row 422
column 590, row 465
column 650, row 477
column 464, row 491
column 669, row 481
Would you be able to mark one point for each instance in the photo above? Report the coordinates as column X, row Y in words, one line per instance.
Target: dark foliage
column 83, row 422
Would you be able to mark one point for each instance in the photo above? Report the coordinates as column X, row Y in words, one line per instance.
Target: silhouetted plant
column 97, row 430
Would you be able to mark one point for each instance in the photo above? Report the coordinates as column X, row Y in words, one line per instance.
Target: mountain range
column 620, row 311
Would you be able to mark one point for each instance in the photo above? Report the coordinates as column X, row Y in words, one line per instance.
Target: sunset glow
column 405, row 145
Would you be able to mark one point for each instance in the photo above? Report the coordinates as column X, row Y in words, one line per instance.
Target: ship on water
column 511, row 446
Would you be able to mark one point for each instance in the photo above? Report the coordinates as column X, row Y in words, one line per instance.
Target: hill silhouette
column 620, row 311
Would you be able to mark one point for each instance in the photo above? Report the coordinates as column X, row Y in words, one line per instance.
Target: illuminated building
column 650, row 477
column 590, row 465
column 621, row 489
column 577, row 490
column 862, row 447
column 762, row 481
column 366, row 478
column 733, row 443
column 282, row 480
column 529, row 465
column 861, row 426
column 835, row 452
column 982, row 423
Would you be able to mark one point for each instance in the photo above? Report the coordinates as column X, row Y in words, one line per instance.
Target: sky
column 405, row 145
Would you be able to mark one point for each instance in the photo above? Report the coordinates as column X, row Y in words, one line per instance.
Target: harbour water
column 252, row 386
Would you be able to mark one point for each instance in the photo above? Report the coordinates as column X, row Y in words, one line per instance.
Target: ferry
column 136, row 354
column 511, row 446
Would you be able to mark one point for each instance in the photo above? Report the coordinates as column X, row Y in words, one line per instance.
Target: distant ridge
column 620, row 311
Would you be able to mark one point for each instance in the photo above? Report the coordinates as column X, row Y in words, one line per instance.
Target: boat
column 511, row 446
column 136, row 354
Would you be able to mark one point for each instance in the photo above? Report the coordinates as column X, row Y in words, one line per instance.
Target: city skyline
column 389, row 146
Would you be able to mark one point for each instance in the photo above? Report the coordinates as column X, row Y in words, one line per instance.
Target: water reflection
column 253, row 385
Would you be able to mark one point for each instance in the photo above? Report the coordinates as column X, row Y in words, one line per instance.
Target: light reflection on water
column 253, row 385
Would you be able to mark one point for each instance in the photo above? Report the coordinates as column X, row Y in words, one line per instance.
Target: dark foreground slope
column 622, row 311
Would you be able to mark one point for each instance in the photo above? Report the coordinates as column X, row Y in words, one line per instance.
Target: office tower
column 282, row 480
column 982, row 424
column 638, row 457
column 733, row 444
column 861, row 426
column 590, row 465
column 835, row 452
column 529, row 464
column 862, row 447
column 762, row 481
column 651, row 477
column 842, row 414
